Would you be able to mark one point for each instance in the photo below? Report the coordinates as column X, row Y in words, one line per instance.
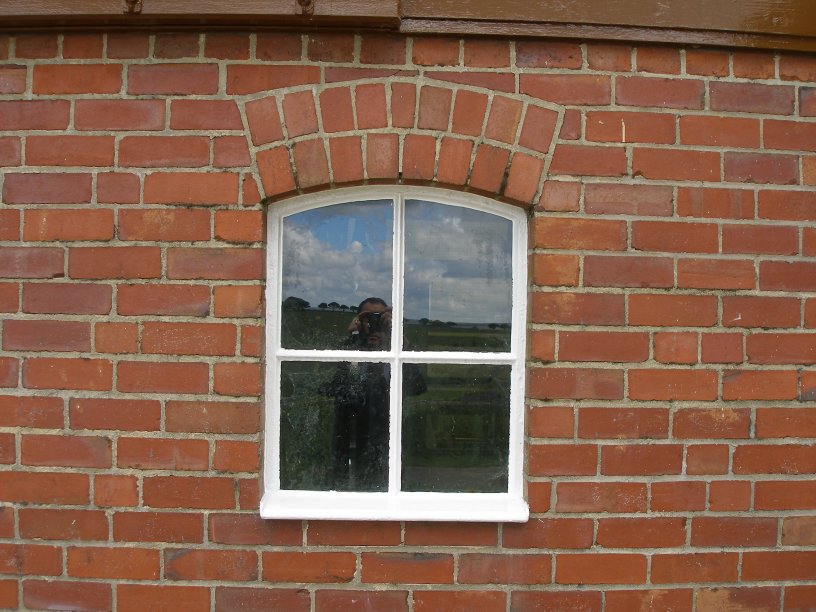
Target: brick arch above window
column 400, row 130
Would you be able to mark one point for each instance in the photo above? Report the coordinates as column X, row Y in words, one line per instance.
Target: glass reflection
column 334, row 426
column 455, row 435
column 334, row 257
column 458, row 278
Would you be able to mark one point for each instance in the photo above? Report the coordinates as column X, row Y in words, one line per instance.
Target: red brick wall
column 673, row 306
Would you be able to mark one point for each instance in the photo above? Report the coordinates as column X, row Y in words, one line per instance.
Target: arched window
column 395, row 357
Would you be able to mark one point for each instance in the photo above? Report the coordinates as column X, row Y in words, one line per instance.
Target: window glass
column 333, row 258
column 458, row 278
column 455, row 434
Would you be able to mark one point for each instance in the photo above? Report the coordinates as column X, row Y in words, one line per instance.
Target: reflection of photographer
column 361, row 401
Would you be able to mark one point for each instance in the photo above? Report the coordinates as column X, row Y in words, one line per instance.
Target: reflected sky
column 458, row 261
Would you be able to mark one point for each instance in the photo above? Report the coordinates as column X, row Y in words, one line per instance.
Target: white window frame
column 394, row 504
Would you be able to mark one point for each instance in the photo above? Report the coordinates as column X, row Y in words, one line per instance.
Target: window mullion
column 395, row 411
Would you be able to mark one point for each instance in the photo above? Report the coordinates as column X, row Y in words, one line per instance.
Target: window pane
column 455, row 434
column 334, row 258
column 334, row 426
column 458, row 278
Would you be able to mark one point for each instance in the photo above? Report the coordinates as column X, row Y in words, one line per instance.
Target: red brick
column 780, row 348
column 776, row 459
column 163, row 224
column 48, row 373
column 127, row 45
column 156, row 377
column 579, row 308
column 251, row 529
column 164, row 151
column 251, row 340
column 600, row 497
column 32, row 335
column 403, row 100
column 62, row 524
column 657, row 532
column 359, row 601
column 69, row 150
column 114, row 262
column 235, row 456
column 114, row 490
column 580, row 234
column 230, row 152
column 237, row 379
column 9, row 224
column 659, row 92
column 460, row 601
column 715, row 203
column 707, row 459
column 628, row 271
column 382, row 155
column 246, row 79
column 675, row 237
column 236, row 264
column 425, row 568
column 578, row 89
column 188, row 338
column 707, row 62
column 191, row 188
column 665, row 60
column 41, row 594
column 450, row 534
column 487, row 53
column 238, row 301
column 768, row 240
column 114, row 414
column 188, row 492
column 311, row 567
column 77, row 79
column 786, row 495
column 117, row 188
column 371, row 106
column 634, row 423
column 720, row 132
column 789, row 135
column 130, row 563
column 382, row 49
column 583, row 160
column 177, row 45
column 537, row 128
column 754, row 598
column 733, row 531
column 523, row 178
column 634, row 460
column 575, row 383
column 8, row 450
column 30, row 559
column 335, row 104
column 605, row 126
column 34, row 114
column 346, row 159
column 22, row 411
column 711, row 423
column 435, row 51
column 798, row 531
column 264, row 121
column 330, row 47
column 311, row 163
column 729, row 495
column 136, row 597
column 12, row 79
column 489, row 168
column 676, row 164
column 571, row 126
column 9, row 300
column 10, row 151
column 454, row 161
column 44, row 487
column 761, row 168
column 577, row 601
column 162, row 454
column 9, row 372
column 276, row 171
column 694, row 567
column 63, row 188
column 600, row 569
column 206, row 115
column 785, row 423
column 672, row 310
column 69, row 451
column 191, row 564
column 504, row 569
column 300, row 114
column 345, row 533
column 226, row 45
column 674, row 384
column 213, row 417
column 35, row 46
column 603, row 346
column 675, row 347
column 797, row 67
column 190, row 300
column 779, row 565
column 751, row 64
column 418, row 156
column 548, row 533
column 668, row 600
column 555, row 270
column 468, row 113
column 119, row 115
column 752, row 98
column 716, row 274
column 560, row 196
column 536, row 54
column 787, row 276
column 759, row 385
column 69, row 225
column 562, row 460
column 173, row 79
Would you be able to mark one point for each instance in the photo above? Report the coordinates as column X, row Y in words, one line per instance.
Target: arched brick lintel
column 399, row 130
